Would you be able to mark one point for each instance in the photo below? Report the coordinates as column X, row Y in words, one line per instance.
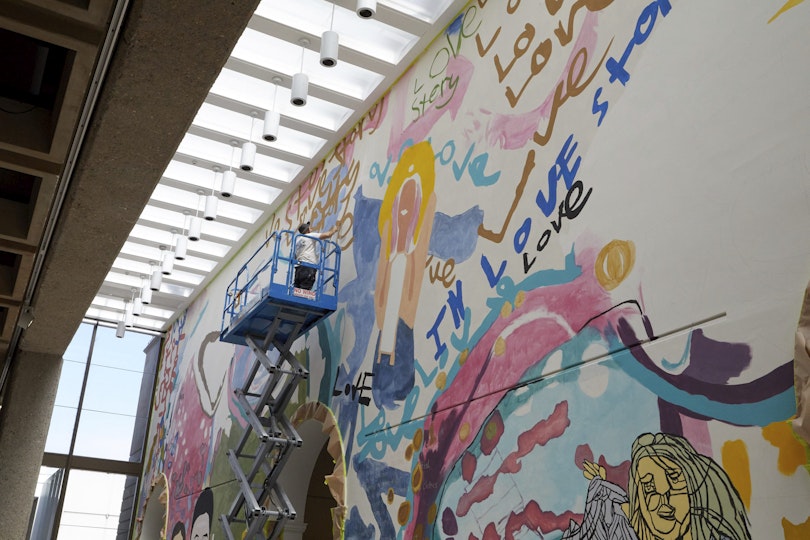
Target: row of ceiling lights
column 227, row 179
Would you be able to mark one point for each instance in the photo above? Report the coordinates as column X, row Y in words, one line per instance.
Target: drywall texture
column 574, row 257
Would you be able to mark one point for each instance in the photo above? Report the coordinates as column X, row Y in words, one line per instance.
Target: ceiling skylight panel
column 144, row 269
column 149, row 253
column 141, row 251
column 277, row 169
column 367, row 35
column 206, row 149
column 108, row 315
column 317, row 112
column 207, row 247
column 186, row 173
column 229, row 126
column 228, row 209
column 346, row 79
column 151, row 234
column 425, row 10
column 184, row 277
column 132, row 266
column 260, row 193
column 127, row 280
column 185, row 200
column 179, row 197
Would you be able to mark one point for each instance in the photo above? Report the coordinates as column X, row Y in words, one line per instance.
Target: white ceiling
column 282, row 36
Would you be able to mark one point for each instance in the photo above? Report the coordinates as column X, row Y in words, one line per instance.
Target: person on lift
column 306, row 250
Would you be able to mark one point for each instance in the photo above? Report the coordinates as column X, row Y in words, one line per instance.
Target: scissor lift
column 264, row 311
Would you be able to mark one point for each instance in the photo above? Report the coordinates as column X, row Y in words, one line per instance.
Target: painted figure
column 405, row 224
column 203, row 513
column 674, row 493
column 178, row 532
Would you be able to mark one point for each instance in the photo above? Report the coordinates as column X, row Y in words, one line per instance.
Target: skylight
column 281, row 39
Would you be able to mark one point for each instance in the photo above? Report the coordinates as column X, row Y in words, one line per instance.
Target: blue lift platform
column 264, row 311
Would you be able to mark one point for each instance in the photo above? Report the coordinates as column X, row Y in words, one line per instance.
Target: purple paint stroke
column 511, row 132
column 771, row 384
column 714, row 361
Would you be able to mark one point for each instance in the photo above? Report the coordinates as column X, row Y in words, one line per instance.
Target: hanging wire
column 332, row 20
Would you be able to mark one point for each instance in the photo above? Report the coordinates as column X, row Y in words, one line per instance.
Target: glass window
column 104, row 435
column 111, row 396
column 92, row 506
column 61, row 430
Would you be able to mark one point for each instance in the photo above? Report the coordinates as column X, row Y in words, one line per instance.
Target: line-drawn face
column 662, row 488
column 200, row 528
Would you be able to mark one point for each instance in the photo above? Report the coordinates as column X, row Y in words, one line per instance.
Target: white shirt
column 306, row 247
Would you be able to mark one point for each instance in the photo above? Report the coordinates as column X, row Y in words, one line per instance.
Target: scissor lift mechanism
column 264, row 311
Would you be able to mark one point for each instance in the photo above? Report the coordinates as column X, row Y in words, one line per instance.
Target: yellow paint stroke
column 614, row 263
column 788, row 5
column 735, row 462
column 441, row 380
column 792, row 454
column 464, row 431
column 433, row 511
column 404, row 513
column 796, row 532
column 506, row 310
column 500, row 346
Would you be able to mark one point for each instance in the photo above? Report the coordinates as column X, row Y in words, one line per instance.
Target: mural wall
column 574, row 258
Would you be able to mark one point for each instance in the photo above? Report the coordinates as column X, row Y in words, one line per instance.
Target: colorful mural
column 573, row 265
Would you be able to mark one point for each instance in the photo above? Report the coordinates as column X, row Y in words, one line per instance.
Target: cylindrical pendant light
column 329, row 44
column 157, row 279
column 366, row 8
column 228, row 183
column 271, row 123
column 137, row 306
column 121, row 329
column 210, row 213
column 167, row 265
column 180, row 247
column 129, row 318
column 194, row 228
column 300, row 86
column 146, row 295
column 248, row 156
column 300, row 81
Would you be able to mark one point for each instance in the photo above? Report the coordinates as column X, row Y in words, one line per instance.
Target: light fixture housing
column 228, row 183
column 180, row 248
column 329, row 48
column 300, row 87
column 194, row 228
column 156, row 280
column 146, row 295
column 210, row 213
column 137, row 307
column 167, row 265
column 366, row 8
column 248, row 156
column 129, row 318
column 272, row 119
column 121, row 329
column 26, row 318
